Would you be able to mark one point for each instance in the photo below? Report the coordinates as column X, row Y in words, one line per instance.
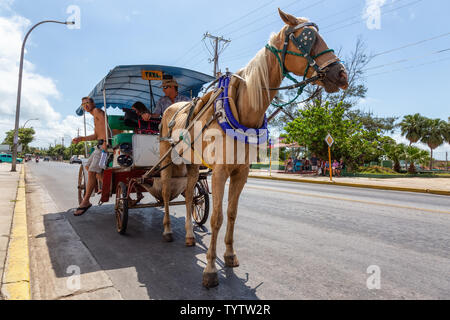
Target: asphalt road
column 293, row 241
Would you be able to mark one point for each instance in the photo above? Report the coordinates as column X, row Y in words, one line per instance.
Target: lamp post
column 27, row 122
column 19, row 90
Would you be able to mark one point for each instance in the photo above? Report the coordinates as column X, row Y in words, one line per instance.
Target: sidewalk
column 424, row 185
column 9, row 182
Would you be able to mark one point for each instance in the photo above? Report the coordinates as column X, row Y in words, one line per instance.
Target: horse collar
column 230, row 125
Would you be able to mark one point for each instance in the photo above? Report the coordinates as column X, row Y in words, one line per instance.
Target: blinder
column 304, row 42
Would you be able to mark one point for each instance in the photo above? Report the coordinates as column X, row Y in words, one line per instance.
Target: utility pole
column 217, row 52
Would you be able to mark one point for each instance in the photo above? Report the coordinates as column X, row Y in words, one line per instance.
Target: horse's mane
column 256, row 72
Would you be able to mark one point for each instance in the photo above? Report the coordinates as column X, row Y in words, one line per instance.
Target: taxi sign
column 329, row 140
column 152, row 75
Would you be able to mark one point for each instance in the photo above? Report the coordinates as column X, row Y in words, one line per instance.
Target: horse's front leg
column 192, row 178
column 237, row 182
column 219, row 178
column 166, row 176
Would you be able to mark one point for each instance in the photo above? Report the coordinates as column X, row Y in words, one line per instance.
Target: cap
column 169, row 82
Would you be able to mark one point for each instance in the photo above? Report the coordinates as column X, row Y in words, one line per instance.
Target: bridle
column 304, row 43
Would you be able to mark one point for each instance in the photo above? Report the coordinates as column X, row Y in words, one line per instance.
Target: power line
column 411, row 44
column 395, row 9
column 187, row 52
column 321, row 19
column 270, row 23
column 355, row 16
column 408, row 59
column 245, row 15
column 409, row 67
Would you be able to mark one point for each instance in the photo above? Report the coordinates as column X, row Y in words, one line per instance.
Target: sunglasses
column 166, row 87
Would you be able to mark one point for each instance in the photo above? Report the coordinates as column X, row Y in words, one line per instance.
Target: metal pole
column 329, row 163
column 85, row 142
column 106, row 118
column 19, row 91
column 216, row 58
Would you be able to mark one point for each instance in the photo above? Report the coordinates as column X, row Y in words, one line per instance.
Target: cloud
column 37, row 90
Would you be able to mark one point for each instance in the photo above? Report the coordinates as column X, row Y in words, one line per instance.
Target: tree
column 413, row 155
column 354, row 144
column 412, row 127
column 433, row 135
column 395, row 152
column 26, row 136
column 313, row 125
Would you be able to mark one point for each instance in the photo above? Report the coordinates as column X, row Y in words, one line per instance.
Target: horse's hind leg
column 237, row 182
column 166, row 175
column 192, row 178
column 219, row 177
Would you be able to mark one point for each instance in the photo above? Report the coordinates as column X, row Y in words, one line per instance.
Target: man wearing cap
column 170, row 88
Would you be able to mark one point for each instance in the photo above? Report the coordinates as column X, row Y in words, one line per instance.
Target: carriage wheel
column 200, row 211
column 121, row 208
column 81, row 184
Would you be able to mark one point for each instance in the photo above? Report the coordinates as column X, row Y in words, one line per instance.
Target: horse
column 252, row 97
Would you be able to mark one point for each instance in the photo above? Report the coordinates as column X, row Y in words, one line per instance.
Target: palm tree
column 411, row 127
column 395, row 152
column 446, row 130
column 413, row 155
column 433, row 135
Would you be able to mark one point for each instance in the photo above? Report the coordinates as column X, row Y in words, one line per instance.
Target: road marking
column 16, row 281
column 346, row 199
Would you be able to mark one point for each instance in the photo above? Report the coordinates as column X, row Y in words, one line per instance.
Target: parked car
column 75, row 159
column 46, row 158
column 4, row 157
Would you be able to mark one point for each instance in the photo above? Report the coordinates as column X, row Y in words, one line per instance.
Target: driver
column 171, row 96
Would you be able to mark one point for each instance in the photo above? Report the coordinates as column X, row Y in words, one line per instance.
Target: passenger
column 92, row 165
column 170, row 88
column 133, row 116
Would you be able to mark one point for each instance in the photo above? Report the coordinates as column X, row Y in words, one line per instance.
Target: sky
column 409, row 38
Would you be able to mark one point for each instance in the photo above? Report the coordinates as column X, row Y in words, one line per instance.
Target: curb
column 16, row 280
column 356, row 185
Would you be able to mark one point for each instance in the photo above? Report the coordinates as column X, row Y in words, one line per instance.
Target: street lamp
column 27, row 121
column 19, row 89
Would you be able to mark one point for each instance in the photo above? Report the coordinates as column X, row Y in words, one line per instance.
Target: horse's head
column 304, row 52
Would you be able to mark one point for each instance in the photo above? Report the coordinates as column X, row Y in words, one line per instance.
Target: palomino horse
column 252, row 97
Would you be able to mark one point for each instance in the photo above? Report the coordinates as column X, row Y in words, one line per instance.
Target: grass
column 377, row 170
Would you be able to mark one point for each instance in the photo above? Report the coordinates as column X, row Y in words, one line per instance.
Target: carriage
column 133, row 152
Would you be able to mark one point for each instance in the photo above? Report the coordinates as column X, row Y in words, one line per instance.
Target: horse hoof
column 210, row 280
column 190, row 242
column 168, row 237
column 231, row 261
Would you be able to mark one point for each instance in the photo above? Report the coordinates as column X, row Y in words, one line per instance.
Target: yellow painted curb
column 356, row 185
column 16, row 281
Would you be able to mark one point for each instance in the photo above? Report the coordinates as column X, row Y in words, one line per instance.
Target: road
column 293, row 241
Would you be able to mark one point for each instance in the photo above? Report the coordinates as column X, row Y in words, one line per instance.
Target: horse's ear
column 287, row 18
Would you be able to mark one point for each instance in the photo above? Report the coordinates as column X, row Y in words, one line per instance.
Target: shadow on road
column 164, row 270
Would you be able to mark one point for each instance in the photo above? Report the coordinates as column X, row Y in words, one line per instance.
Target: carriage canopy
column 124, row 85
